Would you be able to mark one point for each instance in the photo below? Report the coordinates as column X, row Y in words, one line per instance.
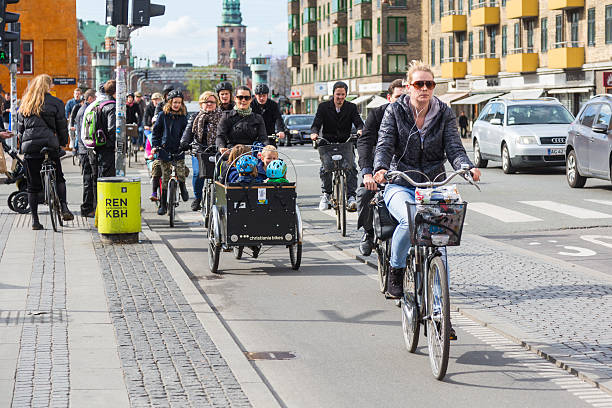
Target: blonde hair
column 416, row 66
column 269, row 149
column 236, row 152
column 34, row 95
column 205, row 95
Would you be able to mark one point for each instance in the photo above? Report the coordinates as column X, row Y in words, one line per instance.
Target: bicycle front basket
column 206, row 165
column 436, row 224
column 326, row 152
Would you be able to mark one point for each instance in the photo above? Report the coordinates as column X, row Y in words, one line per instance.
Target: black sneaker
column 452, row 334
column 196, row 204
column 37, row 226
column 395, row 286
column 366, row 245
column 184, row 192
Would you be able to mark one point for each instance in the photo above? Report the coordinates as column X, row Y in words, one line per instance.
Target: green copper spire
column 231, row 13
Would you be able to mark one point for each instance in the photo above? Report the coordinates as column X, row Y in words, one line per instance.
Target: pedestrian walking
column 142, row 105
column 88, row 205
column 132, row 117
column 366, row 143
column 41, row 123
column 201, row 127
column 70, row 104
column 72, row 131
column 240, row 125
column 269, row 110
column 334, row 119
column 463, row 124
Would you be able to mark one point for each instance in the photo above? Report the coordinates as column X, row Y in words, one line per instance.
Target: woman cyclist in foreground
column 418, row 132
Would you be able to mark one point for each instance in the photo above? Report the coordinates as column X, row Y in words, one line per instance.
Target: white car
column 521, row 133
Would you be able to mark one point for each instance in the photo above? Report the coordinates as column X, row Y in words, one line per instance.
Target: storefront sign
column 376, row 87
column 577, row 75
column 296, row 93
column 320, row 88
column 607, row 79
column 64, row 81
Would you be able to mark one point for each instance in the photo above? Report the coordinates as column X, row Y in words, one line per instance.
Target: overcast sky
column 187, row 32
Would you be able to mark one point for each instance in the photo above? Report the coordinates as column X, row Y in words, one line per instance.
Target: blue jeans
column 198, row 183
column 396, row 197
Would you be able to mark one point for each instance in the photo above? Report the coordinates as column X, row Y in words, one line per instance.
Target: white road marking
column 578, row 251
column 566, row 209
column 500, row 213
column 598, row 239
column 604, row 202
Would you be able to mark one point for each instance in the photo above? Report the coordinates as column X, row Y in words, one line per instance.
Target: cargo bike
column 252, row 216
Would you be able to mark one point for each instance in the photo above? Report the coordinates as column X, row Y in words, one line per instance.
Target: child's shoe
column 154, row 197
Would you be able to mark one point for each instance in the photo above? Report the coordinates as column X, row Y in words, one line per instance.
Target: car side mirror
column 496, row 121
column 600, row 128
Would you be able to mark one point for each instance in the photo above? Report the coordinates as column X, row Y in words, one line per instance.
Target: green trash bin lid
column 119, row 180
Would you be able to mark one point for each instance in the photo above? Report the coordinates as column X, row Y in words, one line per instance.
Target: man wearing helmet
column 224, row 90
column 270, row 112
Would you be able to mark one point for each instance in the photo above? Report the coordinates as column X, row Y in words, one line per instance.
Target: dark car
column 589, row 143
column 299, row 129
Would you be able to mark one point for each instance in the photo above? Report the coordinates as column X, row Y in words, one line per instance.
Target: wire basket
column 436, row 224
column 206, row 164
column 327, row 151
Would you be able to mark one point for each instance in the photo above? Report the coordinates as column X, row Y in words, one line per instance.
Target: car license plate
column 553, row 152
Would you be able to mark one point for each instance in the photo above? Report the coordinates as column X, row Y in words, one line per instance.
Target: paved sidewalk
column 561, row 311
column 84, row 323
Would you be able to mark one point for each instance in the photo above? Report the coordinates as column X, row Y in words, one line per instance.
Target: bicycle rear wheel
column 342, row 204
column 50, row 199
column 410, row 309
column 383, row 251
column 438, row 317
column 172, row 200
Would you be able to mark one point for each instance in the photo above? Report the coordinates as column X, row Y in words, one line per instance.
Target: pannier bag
column 384, row 223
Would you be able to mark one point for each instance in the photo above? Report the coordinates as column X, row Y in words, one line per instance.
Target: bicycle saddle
column 46, row 150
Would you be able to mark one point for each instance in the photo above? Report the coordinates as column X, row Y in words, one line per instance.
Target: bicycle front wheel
column 342, row 204
column 410, row 308
column 336, row 200
column 172, row 200
column 438, row 317
column 50, row 199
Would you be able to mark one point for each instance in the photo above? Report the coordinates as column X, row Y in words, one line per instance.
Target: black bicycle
column 207, row 158
column 48, row 176
column 338, row 158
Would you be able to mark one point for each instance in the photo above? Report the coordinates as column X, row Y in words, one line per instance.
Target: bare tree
column 280, row 76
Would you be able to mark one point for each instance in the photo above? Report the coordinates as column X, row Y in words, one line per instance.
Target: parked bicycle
column 437, row 222
column 337, row 159
column 48, row 176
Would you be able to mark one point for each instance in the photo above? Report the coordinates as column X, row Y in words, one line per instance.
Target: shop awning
column 361, row 99
column 524, row 94
column 349, row 98
column 476, row 99
column 449, row 97
column 569, row 90
column 376, row 102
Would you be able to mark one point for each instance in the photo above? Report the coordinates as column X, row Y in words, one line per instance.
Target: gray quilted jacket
column 399, row 138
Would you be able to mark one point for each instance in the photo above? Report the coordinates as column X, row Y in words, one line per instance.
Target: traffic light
column 7, row 37
column 15, row 47
column 116, row 12
column 143, row 10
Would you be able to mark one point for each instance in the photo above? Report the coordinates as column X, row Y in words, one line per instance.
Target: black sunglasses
column 243, row 97
column 421, row 84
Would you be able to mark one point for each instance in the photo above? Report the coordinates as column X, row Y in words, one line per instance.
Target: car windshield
column 538, row 115
column 300, row 121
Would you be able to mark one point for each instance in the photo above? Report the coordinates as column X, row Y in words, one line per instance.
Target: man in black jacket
column 87, row 207
column 366, row 144
column 336, row 118
column 270, row 112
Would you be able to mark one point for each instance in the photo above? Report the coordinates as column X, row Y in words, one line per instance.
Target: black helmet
column 168, row 89
column 224, row 86
column 175, row 94
column 261, row 89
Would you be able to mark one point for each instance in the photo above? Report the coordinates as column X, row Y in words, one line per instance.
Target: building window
column 396, row 29
column 573, row 17
column 441, row 8
column 339, row 36
column 517, row 35
column 433, row 11
column 492, row 35
column 470, row 45
column 433, row 52
column 470, row 7
column 451, row 48
column 530, row 36
column 591, row 26
column 504, row 41
column 368, row 65
column 460, row 8
column 481, row 42
column 309, row 15
column 441, row 50
column 609, row 24
column 559, row 28
column 544, row 34
column 460, row 40
column 360, row 66
column 397, row 63
column 294, row 22
column 338, row 5
column 27, row 57
column 378, row 64
column 363, row 29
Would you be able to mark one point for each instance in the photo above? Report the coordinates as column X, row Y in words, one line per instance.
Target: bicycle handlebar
column 463, row 172
column 319, row 139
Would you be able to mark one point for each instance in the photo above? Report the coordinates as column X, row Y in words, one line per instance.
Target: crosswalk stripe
column 500, row 213
column 566, row 209
column 604, row 202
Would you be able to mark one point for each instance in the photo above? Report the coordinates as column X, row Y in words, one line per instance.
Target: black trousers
column 88, row 184
column 463, row 131
column 102, row 164
column 365, row 211
column 33, row 167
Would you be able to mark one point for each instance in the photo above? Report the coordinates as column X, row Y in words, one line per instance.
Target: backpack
column 92, row 135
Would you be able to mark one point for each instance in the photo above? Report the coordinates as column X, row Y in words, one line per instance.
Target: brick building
column 365, row 43
column 91, row 41
column 231, row 36
column 483, row 49
column 48, row 45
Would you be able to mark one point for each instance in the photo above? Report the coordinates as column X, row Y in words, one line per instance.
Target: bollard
column 118, row 209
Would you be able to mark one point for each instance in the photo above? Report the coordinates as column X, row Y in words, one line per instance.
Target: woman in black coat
column 42, row 123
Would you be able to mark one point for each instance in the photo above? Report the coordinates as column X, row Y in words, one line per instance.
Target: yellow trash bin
column 119, row 208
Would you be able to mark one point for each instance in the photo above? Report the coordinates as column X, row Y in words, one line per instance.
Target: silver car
column 521, row 133
column 589, row 143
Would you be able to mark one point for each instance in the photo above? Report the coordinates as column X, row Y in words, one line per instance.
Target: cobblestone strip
column 42, row 377
column 167, row 356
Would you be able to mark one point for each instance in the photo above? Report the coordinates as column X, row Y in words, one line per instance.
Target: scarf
column 243, row 112
column 206, row 121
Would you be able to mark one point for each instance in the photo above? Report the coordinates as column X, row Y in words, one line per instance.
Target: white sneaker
column 324, row 203
column 351, row 204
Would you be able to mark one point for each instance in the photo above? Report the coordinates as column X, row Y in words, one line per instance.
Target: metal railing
column 522, row 50
column 453, row 59
column 485, row 4
column 453, row 13
column 568, row 44
column 484, row 55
